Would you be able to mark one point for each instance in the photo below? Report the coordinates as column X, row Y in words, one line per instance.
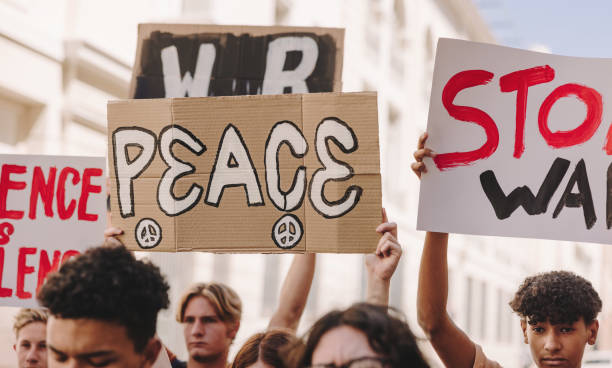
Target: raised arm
column 452, row 345
column 382, row 263
column 294, row 292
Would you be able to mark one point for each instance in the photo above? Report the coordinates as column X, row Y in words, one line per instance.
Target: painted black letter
column 504, row 205
column 582, row 198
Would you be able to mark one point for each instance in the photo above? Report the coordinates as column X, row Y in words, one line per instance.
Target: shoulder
column 481, row 361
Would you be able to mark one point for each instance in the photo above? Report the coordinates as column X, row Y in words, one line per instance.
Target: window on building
column 483, row 310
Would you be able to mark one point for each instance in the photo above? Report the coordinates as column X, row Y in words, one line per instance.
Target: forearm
column 452, row 345
column 294, row 292
column 377, row 290
column 433, row 282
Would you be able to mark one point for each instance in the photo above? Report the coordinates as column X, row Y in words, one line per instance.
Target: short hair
column 388, row 335
column 557, row 297
column 25, row 316
column 108, row 284
column 224, row 299
column 265, row 346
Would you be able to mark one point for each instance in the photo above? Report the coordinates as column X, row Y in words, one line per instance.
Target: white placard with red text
column 522, row 144
column 51, row 209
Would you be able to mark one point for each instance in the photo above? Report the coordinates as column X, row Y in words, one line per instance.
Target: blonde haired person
column 210, row 314
column 30, row 329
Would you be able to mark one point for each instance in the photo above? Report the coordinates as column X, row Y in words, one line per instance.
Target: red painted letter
column 63, row 212
column 459, row 82
column 44, row 189
column 87, row 188
column 4, row 292
column 44, row 266
column 22, row 270
column 7, row 184
column 520, row 81
column 69, row 254
column 582, row 133
column 6, row 230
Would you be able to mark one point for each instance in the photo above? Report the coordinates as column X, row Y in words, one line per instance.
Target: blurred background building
column 63, row 59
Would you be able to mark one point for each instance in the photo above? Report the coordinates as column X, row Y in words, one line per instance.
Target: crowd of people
column 100, row 310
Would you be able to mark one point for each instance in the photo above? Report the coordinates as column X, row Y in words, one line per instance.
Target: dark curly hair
column 557, row 297
column 109, row 284
column 388, row 335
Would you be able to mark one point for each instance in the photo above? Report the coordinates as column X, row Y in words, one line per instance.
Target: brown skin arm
column 452, row 345
column 294, row 293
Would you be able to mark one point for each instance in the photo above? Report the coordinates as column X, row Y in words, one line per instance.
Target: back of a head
column 266, row 347
column 388, row 335
column 224, row 299
column 25, row 316
column 108, row 284
column 557, row 297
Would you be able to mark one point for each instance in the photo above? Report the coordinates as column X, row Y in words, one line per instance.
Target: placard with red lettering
column 522, row 143
column 51, row 209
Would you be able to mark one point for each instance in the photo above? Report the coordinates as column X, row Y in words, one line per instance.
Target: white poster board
column 559, row 159
column 51, row 209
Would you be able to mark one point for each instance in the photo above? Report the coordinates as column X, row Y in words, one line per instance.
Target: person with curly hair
column 364, row 335
column 103, row 308
column 557, row 309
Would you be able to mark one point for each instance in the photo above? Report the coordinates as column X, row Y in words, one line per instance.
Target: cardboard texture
column 51, row 209
column 319, row 152
column 190, row 60
column 523, row 144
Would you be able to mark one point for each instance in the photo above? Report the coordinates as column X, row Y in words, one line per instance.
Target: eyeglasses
column 364, row 362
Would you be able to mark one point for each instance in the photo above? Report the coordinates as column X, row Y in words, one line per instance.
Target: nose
column 197, row 329
column 32, row 356
column 553, row 342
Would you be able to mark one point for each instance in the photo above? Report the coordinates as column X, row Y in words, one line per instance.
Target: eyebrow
column 93, row 354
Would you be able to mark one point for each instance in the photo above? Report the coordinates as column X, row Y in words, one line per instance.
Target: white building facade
column 63, row 59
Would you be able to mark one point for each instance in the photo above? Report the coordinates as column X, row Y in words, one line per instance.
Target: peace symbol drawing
column 287, row 231
column 148, row 233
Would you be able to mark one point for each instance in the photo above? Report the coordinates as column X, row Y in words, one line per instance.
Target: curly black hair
column 388, row 335
column 109, row 284
column 557, row 297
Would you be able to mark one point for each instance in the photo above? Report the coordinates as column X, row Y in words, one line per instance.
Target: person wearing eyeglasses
column 362, row 336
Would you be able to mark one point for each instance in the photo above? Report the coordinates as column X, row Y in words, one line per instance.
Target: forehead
column 579, row 322
column 34, row 331
column 342, row 344
column 200, row 306
column 85, row 335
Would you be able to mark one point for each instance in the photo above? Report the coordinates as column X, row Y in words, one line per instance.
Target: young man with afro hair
column 557, row 309
column 103, row 309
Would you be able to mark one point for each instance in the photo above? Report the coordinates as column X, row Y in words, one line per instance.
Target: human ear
column 524, row 328
column 151, row 351
column 233, row 330
column 592, row 330
column 15, row 347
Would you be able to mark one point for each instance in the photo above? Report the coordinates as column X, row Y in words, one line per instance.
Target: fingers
column 423, row 152
column 422, row 140
column 112, row 232
column 418, row 168
column 388, row 245
column 387, row 227
column 384, row 215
